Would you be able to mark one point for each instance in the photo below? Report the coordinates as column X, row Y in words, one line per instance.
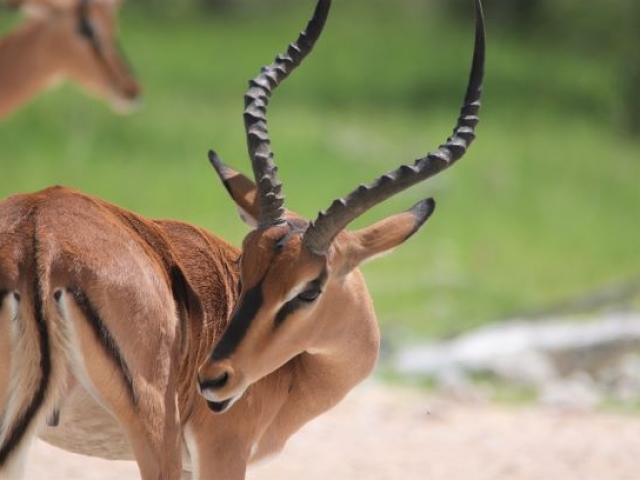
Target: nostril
column 128, row 89
column 215, row 383
column 132, row 91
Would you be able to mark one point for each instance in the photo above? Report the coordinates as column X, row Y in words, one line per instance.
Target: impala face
column 108, row 74
column 83, row 37
column 293, row 299
column 276, row 317
column 299, row 280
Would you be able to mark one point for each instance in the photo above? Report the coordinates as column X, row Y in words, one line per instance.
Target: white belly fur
column 87, row 428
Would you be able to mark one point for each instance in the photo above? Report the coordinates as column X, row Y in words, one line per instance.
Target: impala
column 59, row 40
column 123, row 336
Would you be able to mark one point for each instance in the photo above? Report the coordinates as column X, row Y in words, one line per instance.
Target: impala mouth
column 219, row 407
column 216, row 404
column 221, row 388
column 123, row 104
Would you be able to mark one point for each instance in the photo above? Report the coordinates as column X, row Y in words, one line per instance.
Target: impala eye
column 86, row 27
column 309, row 295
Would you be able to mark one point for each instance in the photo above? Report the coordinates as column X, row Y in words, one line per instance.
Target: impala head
column 82, row 37
column 298, row 283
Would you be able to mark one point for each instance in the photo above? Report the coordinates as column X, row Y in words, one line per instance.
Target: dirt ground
column 379, row 433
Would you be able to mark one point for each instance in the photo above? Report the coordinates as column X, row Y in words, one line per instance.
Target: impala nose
column 215, row 383
column 213, row 378
column 130, row 90
column 216, row 386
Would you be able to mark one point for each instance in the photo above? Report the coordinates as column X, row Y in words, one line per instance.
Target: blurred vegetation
column 544, row 208
column 607, row 30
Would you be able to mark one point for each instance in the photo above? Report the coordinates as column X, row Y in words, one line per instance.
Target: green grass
column 544, row 207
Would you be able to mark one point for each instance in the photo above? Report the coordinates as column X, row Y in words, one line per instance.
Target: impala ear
column 382, row 237
column 240, row 188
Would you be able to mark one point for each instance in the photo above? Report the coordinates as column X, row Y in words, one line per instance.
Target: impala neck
column 346, row 350
column 27, row 64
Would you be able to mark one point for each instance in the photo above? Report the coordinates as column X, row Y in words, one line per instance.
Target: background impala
column 62, row 39
column 109, row 318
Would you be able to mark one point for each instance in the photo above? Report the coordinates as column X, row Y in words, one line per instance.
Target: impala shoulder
column 194, row 240
column 208, row 263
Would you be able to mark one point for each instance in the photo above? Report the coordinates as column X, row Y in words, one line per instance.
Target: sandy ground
column 379, row 433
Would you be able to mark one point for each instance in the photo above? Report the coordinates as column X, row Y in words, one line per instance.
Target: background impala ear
column 385, row 235
column 240, row 188
column 32, row 10
column 41, row 7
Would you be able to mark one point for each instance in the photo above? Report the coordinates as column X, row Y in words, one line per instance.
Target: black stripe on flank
column 179, row 288
column 54, row 418
column 239, row 324
column 106, row 339
column 19, row 429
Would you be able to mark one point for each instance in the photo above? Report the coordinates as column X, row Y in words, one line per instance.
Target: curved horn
column 255, row 117
column 321, row 233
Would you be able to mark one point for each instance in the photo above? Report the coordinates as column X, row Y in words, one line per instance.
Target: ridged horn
column 272, row 210
column 329, row 223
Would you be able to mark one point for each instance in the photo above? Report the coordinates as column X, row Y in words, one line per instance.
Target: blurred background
column 540, row 219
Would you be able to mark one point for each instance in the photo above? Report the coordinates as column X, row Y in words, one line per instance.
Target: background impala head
column 74, row 39
column 301, row 288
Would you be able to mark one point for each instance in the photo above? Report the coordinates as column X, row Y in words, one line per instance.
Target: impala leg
column 134, row 374
column 152, row 425
column 157, row 456
column 15, row 467
column 155, row 443
column 15, row 386
column 219, row 451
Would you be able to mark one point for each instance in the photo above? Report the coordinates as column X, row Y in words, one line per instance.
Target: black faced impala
column 123, row 337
